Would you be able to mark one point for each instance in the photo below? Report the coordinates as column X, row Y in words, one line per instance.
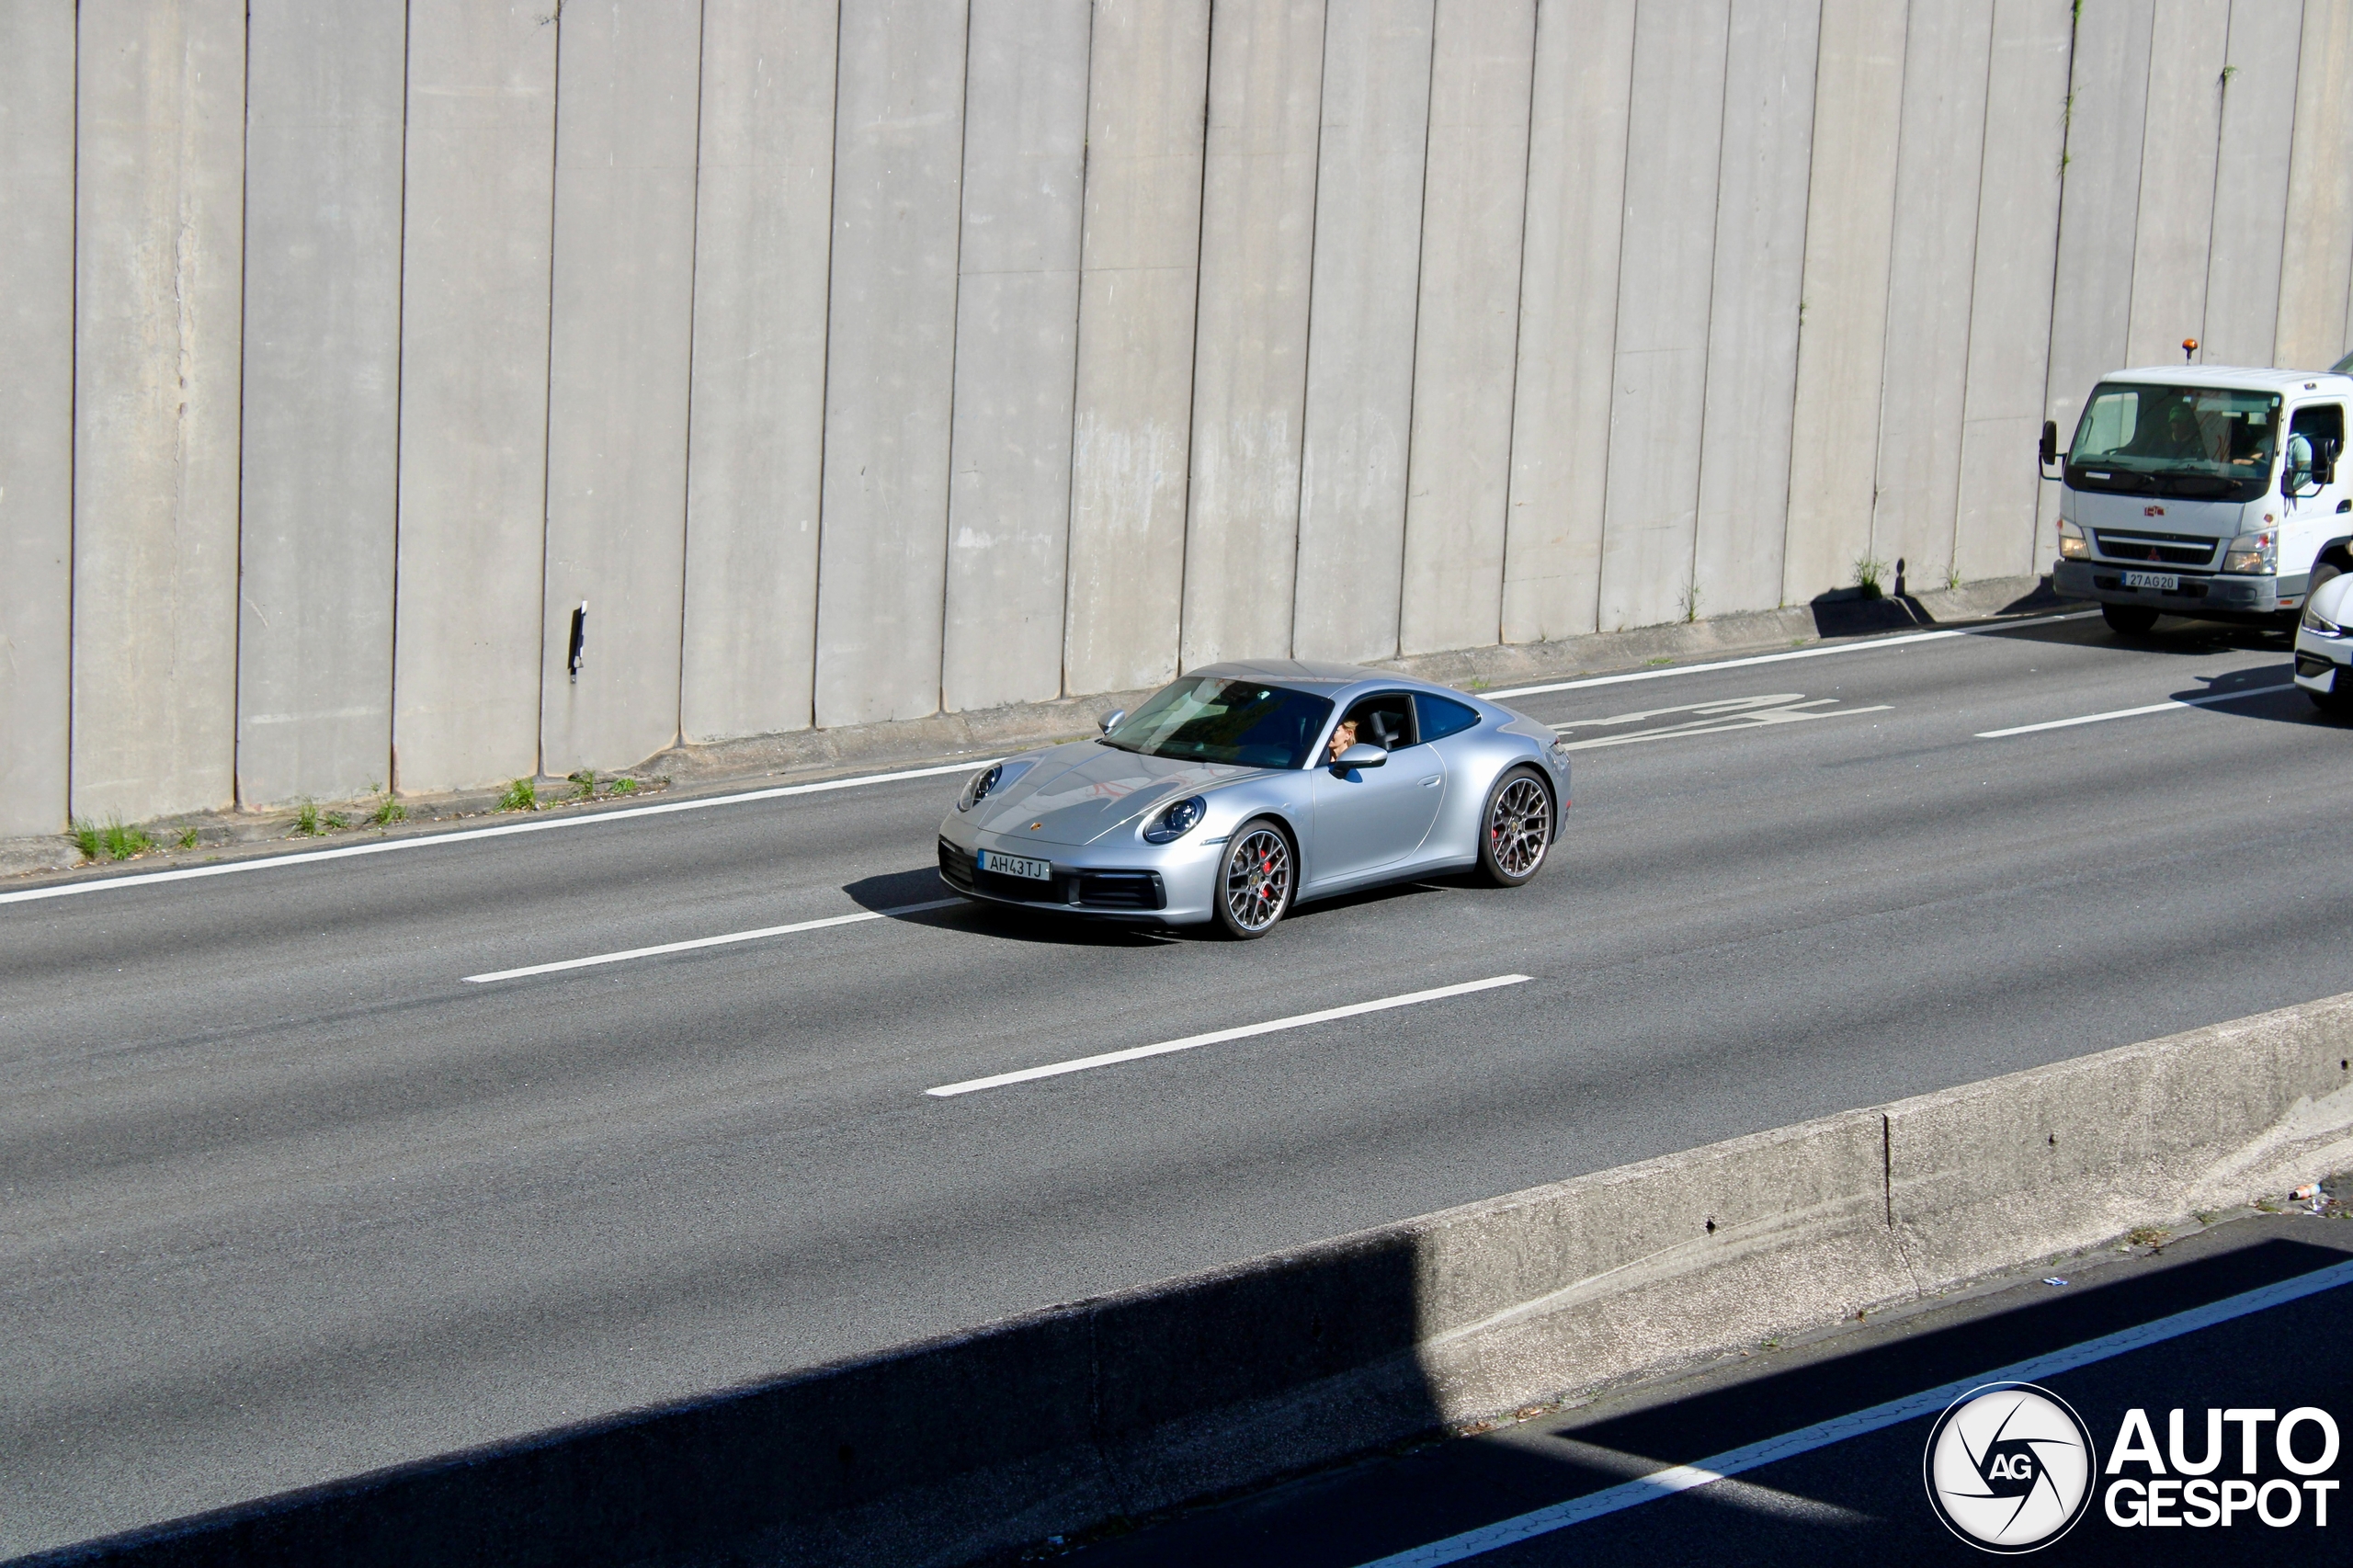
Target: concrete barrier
column 1046, row 1424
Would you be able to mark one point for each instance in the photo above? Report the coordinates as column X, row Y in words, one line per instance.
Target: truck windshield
column 1207, row 719
column 2197, row 443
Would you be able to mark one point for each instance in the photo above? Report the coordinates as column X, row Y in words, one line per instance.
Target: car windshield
column 1206, row 718
column 2198, row 443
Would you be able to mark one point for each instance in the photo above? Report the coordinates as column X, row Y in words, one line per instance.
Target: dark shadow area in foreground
column 1858, row 1502
column 943, row 1451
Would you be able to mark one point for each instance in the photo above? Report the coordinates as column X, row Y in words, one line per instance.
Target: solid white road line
column 2167, row 705
column 1137, row 1053
column 1895, row 1411
column 709, row 941
column 464, row 835
column 1821, row 653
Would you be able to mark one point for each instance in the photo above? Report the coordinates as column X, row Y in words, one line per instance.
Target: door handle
column 2346, row 504
column 1431, row 782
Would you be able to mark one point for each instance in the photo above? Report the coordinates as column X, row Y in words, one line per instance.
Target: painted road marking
column 687, row 946
column 1712, row 718
column 1137, row 1053
column 2167, row 705
column 268, row 862
column 1822, row 652
column 1675, row 1479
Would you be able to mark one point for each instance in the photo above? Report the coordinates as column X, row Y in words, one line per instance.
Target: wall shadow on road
column 1858, row 1502
column 965, row 1445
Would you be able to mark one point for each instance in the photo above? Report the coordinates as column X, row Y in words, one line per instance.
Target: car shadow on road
column 903, row 895
column 2273, row 708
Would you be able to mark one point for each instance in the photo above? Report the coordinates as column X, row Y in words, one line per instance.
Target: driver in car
column 1344, row 735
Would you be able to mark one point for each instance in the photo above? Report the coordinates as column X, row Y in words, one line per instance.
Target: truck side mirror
column 2298, row 473
column 2050, row 442
column 2324, row 460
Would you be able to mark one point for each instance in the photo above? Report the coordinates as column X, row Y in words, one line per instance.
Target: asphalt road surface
column 286, row 1197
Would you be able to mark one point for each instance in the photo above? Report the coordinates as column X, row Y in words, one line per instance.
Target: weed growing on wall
column 520, row 797
column 1869, row 570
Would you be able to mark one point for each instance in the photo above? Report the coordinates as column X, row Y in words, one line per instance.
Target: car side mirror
column 2299, row 474
column 1110, row 720
column 2050, row 448
column 1359, row 755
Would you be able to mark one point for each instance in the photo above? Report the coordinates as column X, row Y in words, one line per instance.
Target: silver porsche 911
column 1244, row 789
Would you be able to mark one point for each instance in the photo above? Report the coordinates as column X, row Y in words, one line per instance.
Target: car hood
column 1076, row 793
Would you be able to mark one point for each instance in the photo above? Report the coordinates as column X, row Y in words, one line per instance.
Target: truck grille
column 2158, row 550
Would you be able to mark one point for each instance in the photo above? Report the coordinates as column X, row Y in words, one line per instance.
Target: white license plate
column 2167, row 581
column 1016, row 866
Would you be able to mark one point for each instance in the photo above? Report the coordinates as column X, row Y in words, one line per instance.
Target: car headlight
column 1176, row 821
column 2313, row 620
column 2072, row 546
column 2254, row 554
column 977, row 788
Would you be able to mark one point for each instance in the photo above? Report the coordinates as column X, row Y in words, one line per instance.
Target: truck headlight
column 1174, row 822
column 2072, row 546
column 2254, row 554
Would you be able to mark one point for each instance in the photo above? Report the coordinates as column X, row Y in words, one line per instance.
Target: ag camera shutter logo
column 2009, row 1468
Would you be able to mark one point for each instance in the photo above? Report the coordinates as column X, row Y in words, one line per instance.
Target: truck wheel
column 2129, row 620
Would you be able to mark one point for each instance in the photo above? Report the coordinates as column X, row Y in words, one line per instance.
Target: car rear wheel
column 2129, row 620
column 1516, row 829
column 1255, row 880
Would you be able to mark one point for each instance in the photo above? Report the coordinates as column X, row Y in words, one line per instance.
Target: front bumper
column 2322, row 661
column 2198, row 595
column 1164, row 885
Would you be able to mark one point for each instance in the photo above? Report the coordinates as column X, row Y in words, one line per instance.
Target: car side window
column 1442, row 716
column 1386, row 721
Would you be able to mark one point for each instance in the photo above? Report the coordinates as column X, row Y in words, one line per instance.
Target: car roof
column 1328, row 679
column 2248, row 378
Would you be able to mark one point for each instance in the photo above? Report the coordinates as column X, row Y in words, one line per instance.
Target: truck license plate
column 2167, row 581
column 1017, row 866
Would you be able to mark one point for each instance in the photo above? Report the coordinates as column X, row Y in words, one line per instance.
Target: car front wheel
column 1255, row 880
column 1516, row 829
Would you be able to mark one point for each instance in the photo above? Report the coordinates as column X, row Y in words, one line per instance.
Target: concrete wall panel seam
column 319, row 446
column 1307, row 348
column 1250, row 351
column 1011, row 423
column 1372, row 138
column 1579, row 114
column 477, row 238
column 1472, row 221
column 160, row 110
column 891, row 353
column 1414, row 336
column 1138, row 308
column 38, row 119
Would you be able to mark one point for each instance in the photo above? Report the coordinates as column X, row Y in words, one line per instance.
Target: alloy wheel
column 1257, row 879
column 1519, row 828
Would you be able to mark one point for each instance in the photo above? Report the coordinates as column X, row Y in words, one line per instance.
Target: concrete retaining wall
column 1052, row 1422
column 863, row 362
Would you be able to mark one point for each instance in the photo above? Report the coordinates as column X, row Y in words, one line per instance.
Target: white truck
column 2204, row 491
